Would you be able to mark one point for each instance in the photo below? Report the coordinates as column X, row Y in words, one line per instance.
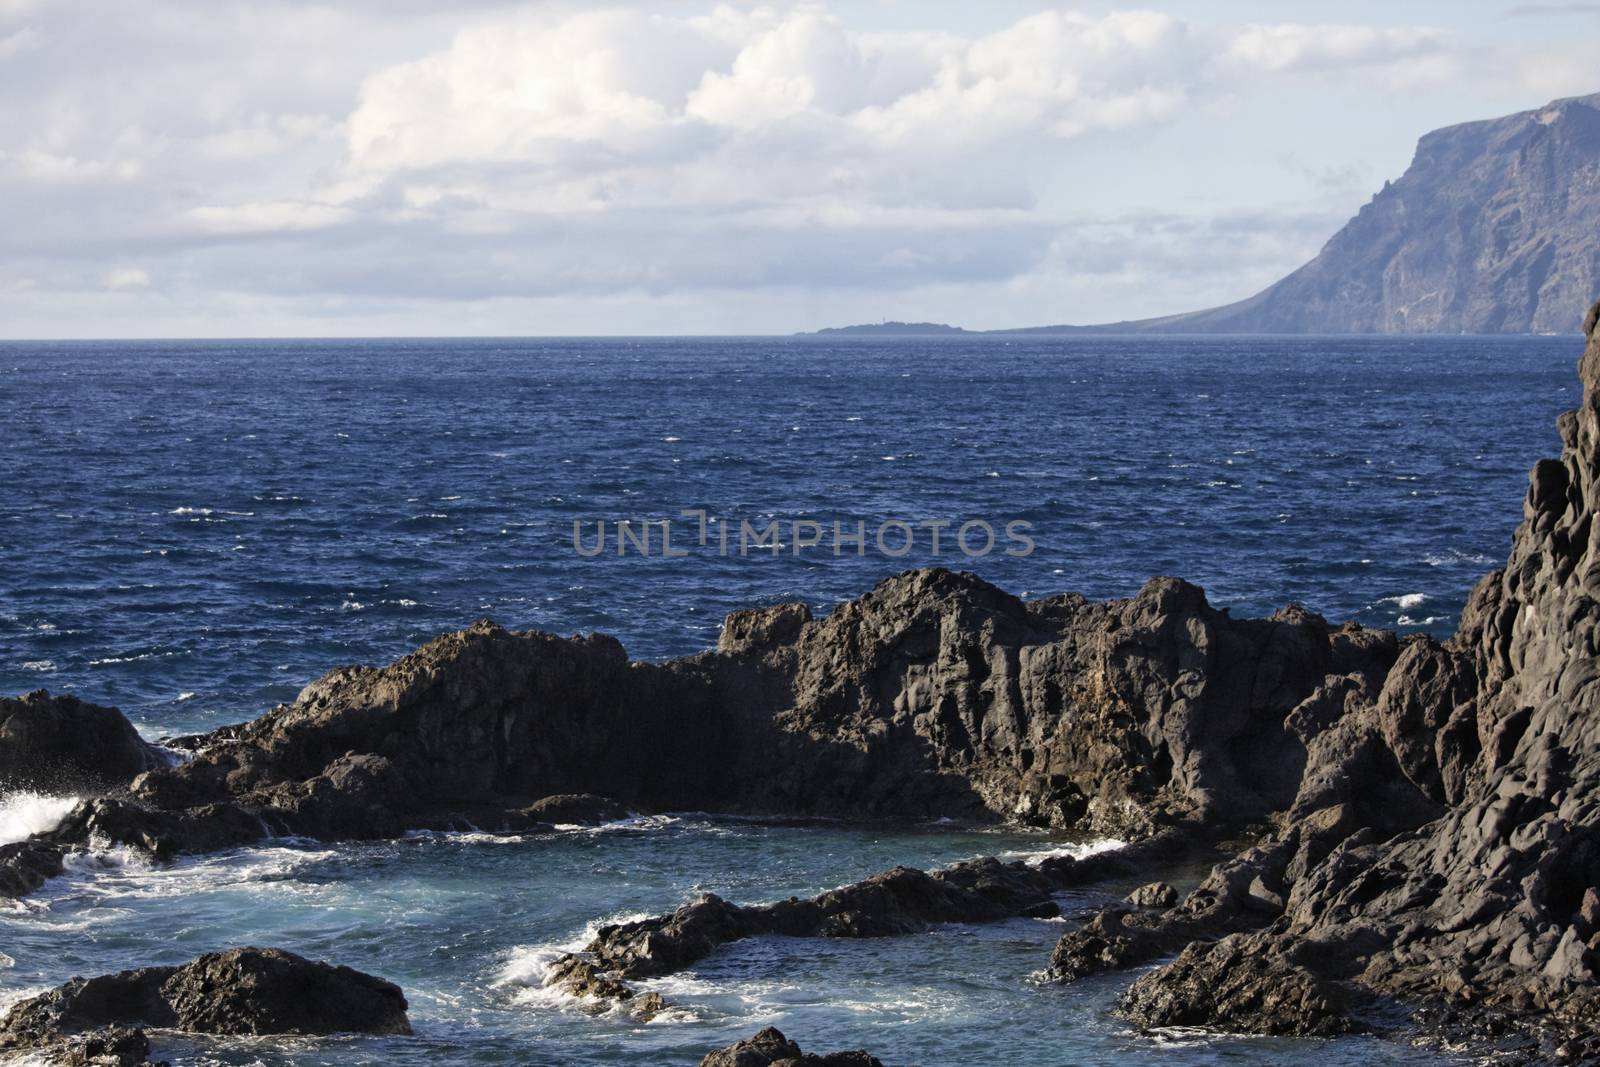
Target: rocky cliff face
column 1492, row 229
column 1475, row 884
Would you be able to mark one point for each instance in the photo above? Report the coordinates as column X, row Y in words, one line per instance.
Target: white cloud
column 124, row 278
column 1322, row 47
column 483, row 152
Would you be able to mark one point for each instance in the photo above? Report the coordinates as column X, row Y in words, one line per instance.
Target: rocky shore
column 1421, row 819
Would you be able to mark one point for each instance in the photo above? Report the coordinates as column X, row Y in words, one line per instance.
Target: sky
column 210, row 168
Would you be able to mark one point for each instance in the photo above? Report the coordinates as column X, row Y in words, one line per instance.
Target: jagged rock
column 896, row 902
column 1444, row 843
column 269, row 991
column 104, row 1048
column 770, row 1048
column 27, row 865
column 935, row 694
column 62, row 746
column 581, row 978
column 241, row 991
column 1228, row 984
column 1153, row 895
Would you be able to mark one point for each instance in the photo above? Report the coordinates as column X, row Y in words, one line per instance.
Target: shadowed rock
column 241, row 991
column 62, row 746
column 27, row 865
column 896, row 902
column 935, row 694
column 1226, row 984
column 770, row 1048
column 1443, row 845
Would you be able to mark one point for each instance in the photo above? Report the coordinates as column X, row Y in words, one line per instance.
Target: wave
column 116, row 872
column 1073, row 850
column 1406, row 601
column 526, row 969
column 24, row 814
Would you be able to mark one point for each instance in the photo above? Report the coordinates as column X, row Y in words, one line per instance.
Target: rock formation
column 61, row 745
column 770, row 1048
column 1473, row 883
column 245, row 991
column 896, row 902
column 935, row 694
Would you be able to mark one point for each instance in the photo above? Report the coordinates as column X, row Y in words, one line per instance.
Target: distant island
column 880, row 329
column 1490, row 230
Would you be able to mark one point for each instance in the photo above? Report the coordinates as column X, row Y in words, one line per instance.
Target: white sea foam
column 11, row 997
column 527, row 967
column 120, row 873
column 43, row 666
column 1405, row 601
column 1073, row 850
column 25, row 814
column 185, row 695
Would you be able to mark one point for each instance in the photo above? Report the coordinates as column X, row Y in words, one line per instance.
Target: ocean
column 193, row 531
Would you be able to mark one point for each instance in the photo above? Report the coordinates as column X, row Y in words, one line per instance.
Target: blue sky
column 383, row 167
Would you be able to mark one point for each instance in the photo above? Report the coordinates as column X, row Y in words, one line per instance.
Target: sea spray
column 24, row 814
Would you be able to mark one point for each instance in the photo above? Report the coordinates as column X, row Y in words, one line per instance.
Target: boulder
column 770, row 1048
column 63, row 746
column 1153, row 895
column 244, row 991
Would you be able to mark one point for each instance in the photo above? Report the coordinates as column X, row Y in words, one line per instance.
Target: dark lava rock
column 104, row 1048
column 1443, row 845
column 269, row 991
column 579, row 809
column 60, row 745
column 27, row 865
column 1153, row 895
column 1227, row 984
column 896, row 902
column 241, row 991
column 581, row 978
column 935, row 694
column 770, row 1048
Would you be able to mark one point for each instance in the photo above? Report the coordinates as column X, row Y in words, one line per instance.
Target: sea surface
column 193, row 531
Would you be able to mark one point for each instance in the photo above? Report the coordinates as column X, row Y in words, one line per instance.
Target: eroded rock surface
column 1443, row 845
column 62, row 746
column 244, row 991
column 900, row 901
column 933, row 695
column 770, row 1048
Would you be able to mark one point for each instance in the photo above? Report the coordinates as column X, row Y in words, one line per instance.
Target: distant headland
column 1489, row 231
column 882, row 329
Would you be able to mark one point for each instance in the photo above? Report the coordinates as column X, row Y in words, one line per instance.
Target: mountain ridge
column 1490, row 230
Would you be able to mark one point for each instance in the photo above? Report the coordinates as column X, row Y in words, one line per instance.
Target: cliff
column 1492, row 229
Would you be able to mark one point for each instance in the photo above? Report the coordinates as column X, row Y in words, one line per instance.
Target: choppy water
column 193, row 531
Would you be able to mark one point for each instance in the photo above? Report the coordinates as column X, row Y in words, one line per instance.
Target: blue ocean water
column 192, row 531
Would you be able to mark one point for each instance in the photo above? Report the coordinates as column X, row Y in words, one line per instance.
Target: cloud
column 1548, row 10
column 424, row 155
column 124, row 278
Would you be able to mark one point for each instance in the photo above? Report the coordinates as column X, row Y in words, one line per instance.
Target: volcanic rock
column 241, row 991
column 770, row 1048
column 62, row 746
